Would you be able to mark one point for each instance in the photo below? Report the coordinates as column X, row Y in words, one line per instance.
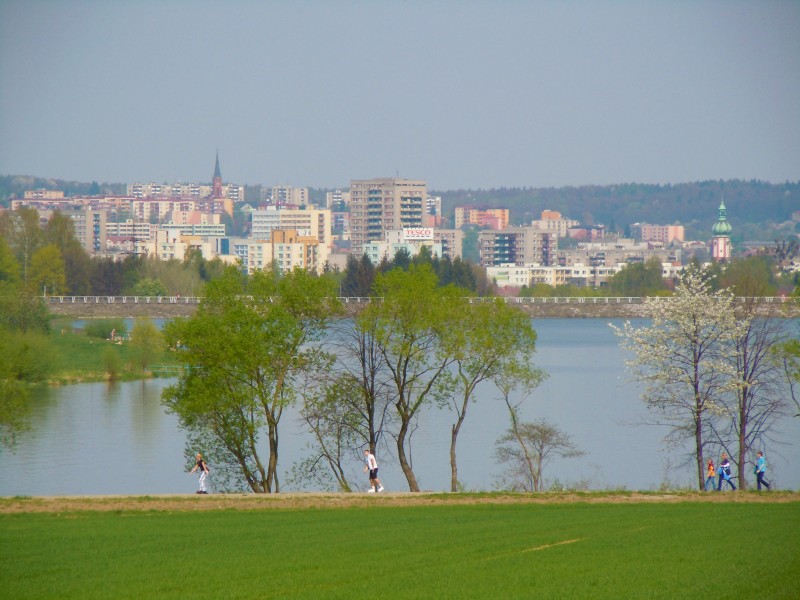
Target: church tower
column 721, row 232
column 217, row 181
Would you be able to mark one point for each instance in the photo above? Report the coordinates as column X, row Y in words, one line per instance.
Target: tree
column 147, row 343
column 21, row 308
column 528, row 447
column 411, row 319
column 9, row 267
column 245, row 349
column 21, row 230
column 47, row 271
column 789, row 356
column 149, row 287
column 491, row 338
column 359, row 276
column 757, row 398
column 27, row 359
column 638, row 279
column 332, row 412
column 749, row 277
column 684, row 359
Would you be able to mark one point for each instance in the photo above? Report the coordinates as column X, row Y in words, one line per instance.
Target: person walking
column 725, row 472
column 372, row 467
column 202, row 467
column 761, row 470
column 710, row 475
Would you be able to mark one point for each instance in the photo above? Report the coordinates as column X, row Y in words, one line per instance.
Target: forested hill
column 756, row 210
column 16, row 185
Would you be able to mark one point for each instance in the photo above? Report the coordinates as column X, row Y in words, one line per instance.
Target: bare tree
column 528, row 447
column 756, row 401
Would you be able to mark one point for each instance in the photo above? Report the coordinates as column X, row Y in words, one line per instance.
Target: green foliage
column 584, row 549
column 47, row 271
column 14, row 407
column 749, row 277
column 638, row 279
column 21, row 309
column 147, row 343
column 246, row 348
column 9, row 267
column 149, row 287
column 112, row 362
column 27, row 356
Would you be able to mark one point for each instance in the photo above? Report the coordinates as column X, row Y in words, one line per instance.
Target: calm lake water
column 117, row 439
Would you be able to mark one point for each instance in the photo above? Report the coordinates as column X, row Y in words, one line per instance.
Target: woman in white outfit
column 201, row 466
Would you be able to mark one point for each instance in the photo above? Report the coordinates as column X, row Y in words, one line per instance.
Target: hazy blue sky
column 463, row 94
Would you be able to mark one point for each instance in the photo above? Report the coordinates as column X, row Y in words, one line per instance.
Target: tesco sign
column 421, row 233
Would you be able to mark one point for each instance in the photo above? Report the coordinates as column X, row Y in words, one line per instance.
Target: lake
column 116, row 438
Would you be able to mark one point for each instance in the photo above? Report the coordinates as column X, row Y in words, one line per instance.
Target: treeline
column 49, row 260
column 756, row 210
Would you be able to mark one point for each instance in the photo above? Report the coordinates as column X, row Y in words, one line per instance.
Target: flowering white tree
column 684, row 359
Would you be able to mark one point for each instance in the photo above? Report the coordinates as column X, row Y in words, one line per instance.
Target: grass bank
column 409, row 546
column 79, row 358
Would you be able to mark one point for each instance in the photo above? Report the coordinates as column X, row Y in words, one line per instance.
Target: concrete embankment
column 185, row 308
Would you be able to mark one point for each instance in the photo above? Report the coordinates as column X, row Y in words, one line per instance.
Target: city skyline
column 461, row 95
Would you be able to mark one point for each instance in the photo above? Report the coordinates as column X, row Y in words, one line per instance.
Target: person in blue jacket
column 761, row 470
column 725, row 472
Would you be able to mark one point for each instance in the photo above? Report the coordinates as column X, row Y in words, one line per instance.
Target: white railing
column 367, row 299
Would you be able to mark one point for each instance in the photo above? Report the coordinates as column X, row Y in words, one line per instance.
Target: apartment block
column 553, row 221
column 43, row 194
column 309, row 221
column 621, row 251
column 648, row 232
column 380, row 205
column 90, row 229
column 284, row 195
column 517, row 246
column 495, row 218
column 165, row 191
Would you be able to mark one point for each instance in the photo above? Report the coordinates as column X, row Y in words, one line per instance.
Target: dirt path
column 61, row 504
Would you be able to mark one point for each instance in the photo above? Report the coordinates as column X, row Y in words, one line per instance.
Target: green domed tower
column 721, row 236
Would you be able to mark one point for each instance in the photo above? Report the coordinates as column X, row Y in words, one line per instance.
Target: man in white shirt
column 372, row 467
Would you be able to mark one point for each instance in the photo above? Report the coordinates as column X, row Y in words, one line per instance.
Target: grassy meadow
column 421, row 550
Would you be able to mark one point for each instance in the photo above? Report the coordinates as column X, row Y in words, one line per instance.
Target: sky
column 462, row 94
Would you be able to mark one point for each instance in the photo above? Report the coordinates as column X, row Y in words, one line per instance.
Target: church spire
column 217, row 181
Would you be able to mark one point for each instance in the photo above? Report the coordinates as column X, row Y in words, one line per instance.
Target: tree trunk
column 742, row 448
column 453, row 440
column 272, row 464
column 401, row 455
column 453, row 465
column 698, row 440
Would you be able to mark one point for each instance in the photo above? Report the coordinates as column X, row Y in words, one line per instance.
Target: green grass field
column 576, row 550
